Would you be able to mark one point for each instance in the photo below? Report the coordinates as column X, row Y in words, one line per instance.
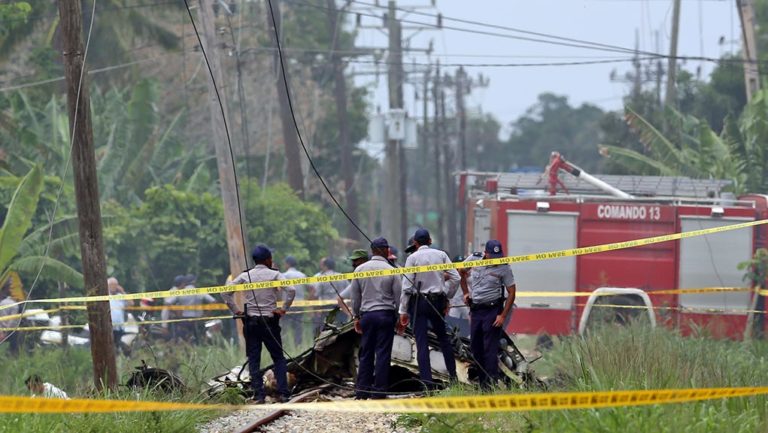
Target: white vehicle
column 616, row 305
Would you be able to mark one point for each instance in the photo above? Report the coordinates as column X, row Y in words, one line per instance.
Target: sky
column 513, row 90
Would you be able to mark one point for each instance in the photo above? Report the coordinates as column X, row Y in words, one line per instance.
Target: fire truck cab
column 529, row 214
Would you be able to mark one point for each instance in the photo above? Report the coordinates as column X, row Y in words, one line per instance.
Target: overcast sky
column 513, row 90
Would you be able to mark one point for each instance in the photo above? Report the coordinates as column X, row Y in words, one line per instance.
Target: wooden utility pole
column 749, row 51
column 671, row 95
column 340, row 96
column 87, row 195
column 290, row 139
column 393, row 193
column 218, row 113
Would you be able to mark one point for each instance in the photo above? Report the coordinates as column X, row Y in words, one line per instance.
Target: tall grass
column 70, row 369
column 637, row 358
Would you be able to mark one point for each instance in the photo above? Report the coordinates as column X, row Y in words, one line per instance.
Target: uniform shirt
column 374, row 293
column 431, row 282
column 9, row 311
column 301, row 289
column 117, row 311
column 488, row 283
column 190, row 301
column 328, row 291
column 260, row 302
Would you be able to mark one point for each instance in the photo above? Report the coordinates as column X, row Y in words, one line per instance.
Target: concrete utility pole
column 437, row 139
column 227, row 182
column 290, row 139
column 393, row 191
column 462, row 88
column 749, row 51
column 671, row 95
column 340, row 96
column 87, row 195
column 423, row 174
column 449, row 239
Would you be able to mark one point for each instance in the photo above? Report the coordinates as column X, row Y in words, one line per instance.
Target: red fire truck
column 534, row 212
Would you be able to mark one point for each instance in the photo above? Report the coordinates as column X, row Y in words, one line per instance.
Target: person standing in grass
column 261, row 321
column 483, row 288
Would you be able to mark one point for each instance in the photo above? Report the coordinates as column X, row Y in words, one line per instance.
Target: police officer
column 374, row 308
column 483, row 288
column 261, row 321
column 430, row 303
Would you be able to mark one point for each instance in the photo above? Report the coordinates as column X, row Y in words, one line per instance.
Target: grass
column 634, row 358
column 70, row 369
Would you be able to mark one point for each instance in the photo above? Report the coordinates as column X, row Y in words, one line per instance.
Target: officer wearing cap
column 483, row 288
column 261, row 320
column 374, row 309
column 357, row 258
column 430, row 302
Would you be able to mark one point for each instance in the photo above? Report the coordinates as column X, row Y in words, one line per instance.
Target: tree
column 693, row 148
column 19, row 252
column 289, row 225
column 552, row 124
column 171, row 232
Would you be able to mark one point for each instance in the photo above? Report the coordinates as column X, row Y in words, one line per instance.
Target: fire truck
column 538, row 212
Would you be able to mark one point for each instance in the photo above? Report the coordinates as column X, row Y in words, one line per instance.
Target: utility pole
column 340, row 96
column 462, row 88
column 425, row 142
column 671, row 97
column 87, row 195
column 290, row 139
column 393, row 185
column 449, row 236
column 749, row 52
column 438, row 137
column 218, row 113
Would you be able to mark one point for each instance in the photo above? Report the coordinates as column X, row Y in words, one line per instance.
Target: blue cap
column 179, row 280
column 261, row 253
column 422, row 236
column 379, row 243
column 493, row 249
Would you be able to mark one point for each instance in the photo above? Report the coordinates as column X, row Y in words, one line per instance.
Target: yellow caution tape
column 454, row 404
column 410, row 270
column 145, row 323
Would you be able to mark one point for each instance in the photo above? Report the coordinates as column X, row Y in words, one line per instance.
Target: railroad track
column 266, row 420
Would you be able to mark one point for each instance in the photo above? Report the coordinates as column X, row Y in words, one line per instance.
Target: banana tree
column 14, row 256
column 693, row 149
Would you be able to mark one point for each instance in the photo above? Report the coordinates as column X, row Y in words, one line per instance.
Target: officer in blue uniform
column 483, row 288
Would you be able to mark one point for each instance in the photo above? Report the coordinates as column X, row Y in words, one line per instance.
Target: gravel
column 335, row 422
column 234, row 421
column 308, row 422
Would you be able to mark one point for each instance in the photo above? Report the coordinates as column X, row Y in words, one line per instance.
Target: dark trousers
column 425, row 315
column 265, row 330
column 484, row 342
column 376, row 344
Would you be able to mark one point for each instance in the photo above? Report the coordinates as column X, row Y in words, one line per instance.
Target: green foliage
column 14, row 256
column 552, row 124
column 692, row 148
column 172, row 232
column 278, row 218
column 636, row 358
column 70, row 369
column 756, row 268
